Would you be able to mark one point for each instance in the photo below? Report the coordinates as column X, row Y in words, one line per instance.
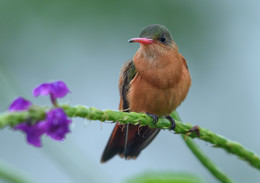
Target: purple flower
column 57, row 89
column 33, row 132
column 20, row 104
column 57, row 124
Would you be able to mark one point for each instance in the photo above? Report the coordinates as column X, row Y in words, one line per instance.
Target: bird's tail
column 128, row 141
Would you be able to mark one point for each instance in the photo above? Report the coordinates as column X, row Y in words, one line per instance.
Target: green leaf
column 166, row 177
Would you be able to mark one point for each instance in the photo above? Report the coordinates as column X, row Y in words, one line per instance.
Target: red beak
column 140, row 40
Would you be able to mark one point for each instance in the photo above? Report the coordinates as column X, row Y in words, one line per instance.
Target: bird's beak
column 141, row 40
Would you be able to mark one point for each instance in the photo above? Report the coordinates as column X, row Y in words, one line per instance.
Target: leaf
column 166, row 177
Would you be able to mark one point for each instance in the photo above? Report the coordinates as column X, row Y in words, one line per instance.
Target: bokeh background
column 84, row 43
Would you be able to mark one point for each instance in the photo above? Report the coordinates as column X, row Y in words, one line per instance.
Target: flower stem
column 202, row 157
column 91, row 113
column 53, row 100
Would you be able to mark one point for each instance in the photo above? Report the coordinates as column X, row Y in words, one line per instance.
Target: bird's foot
column 194, row 130
column 172, row 122
column 155, row 117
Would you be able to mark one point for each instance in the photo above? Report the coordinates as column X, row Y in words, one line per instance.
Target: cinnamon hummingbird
column 155, row 81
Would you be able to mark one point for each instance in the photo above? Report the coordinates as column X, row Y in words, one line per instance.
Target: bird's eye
column 163, row 38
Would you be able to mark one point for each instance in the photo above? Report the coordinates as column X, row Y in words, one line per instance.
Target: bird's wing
column 127, row 74
column 127, row 140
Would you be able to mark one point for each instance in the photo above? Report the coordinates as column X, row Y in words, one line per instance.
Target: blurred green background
column 84, row 43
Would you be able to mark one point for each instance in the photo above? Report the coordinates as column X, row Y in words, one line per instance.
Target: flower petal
column 33, row 132
column 42, row 89
column 20, row 104
column 58, row 124
column 57, row 89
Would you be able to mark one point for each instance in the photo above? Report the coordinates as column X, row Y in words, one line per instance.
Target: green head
column 154, row 33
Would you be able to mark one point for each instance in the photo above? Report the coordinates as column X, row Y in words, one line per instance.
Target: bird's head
column 155, row 40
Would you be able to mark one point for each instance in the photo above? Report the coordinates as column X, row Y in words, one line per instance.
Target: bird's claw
column 155, row 118
column 172, row 122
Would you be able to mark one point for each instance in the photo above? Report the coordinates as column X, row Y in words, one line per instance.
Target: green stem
column 215, row 171
column 202, row 157
column 11, row 175
column 91, row 113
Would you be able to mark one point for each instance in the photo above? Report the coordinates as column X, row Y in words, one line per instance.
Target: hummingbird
column 155, row 81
